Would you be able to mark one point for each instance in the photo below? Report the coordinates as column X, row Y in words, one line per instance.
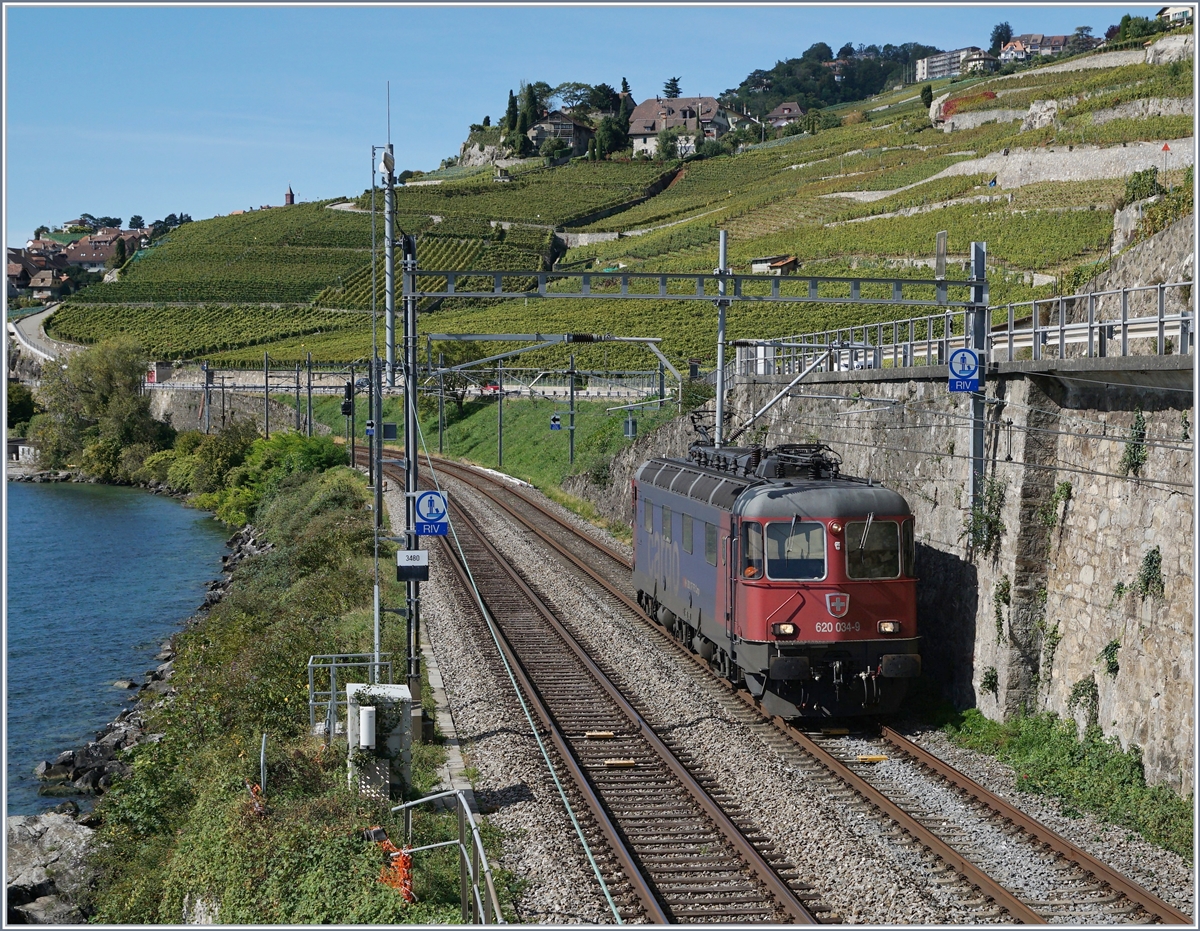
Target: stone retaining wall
column 1059, row 560
column 182, row 408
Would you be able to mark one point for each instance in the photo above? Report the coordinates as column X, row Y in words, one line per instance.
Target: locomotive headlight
column 835, row 527
column 889, row 627
column 783, row 630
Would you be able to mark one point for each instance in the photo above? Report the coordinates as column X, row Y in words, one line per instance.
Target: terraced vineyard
column 864, row 198
column 199, row 331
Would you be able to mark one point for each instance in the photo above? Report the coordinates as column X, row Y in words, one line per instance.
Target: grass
column 183, row 828
column 1091, row 773
column 532, row 451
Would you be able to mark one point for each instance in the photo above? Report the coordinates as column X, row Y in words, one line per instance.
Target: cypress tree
column 529, row 105
column 624, row 86
column 510, row 115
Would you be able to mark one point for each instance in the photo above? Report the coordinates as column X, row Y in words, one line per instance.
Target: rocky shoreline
column 17, row 473
column 47, row 869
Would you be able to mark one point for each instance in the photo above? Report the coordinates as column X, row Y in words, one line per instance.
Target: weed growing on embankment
column 1091, row 774
column 182, row 832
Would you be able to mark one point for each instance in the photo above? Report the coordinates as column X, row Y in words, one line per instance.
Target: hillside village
column 1058, row 161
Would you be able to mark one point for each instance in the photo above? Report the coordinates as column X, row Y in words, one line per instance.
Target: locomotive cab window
column 687, row 533
column 872, row 549
column 796, row 550
column 910, row 549
column 648, row 515
column 666, row 524
column 752, row 550
column 710, row 544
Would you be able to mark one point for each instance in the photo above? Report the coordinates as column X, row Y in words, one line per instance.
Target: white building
column 943, row 64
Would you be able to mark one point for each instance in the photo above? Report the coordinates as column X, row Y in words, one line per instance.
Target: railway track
column 984, row 851
column 681, row 855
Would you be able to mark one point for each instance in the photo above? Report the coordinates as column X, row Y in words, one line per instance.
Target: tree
column 20, row 407
column 510, row 115
column 117, row 259
column 818, row 51
column 487, row 121
column 96, row 413
column 625, row 113
column 591, row 153
column 604, row 97
column 136, row 222
column 668, row 145
column 624, row 86
column 1111, row 32
column 542, row 92
column 812, row 121
column 1001, row 35
column 107, row 221
column 611, row 136
column 529, row 105
column 552, row 146
column 671, row 88
column 846, row 51
column 572, row 93
column 37, row 233
column 927, row 96
column 522, row 143
column 1079, row 41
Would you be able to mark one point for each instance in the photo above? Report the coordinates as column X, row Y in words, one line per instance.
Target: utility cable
column 487, row 617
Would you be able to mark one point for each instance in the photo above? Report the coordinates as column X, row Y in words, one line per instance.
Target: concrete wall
column 1061, row 561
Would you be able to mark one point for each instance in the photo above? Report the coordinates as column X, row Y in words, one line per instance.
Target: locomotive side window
column 648, row 515
column 752, row 550
column 710, row 544
column 872, row 549
column 687, row 533
column 666, row 525
column 796, row 550
column 910, row 549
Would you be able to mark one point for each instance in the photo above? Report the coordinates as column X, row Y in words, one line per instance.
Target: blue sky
column 154, row 110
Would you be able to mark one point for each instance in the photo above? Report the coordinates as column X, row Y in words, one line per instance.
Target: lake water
column 98, row 577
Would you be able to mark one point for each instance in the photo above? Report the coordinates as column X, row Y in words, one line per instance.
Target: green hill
column 867, row 197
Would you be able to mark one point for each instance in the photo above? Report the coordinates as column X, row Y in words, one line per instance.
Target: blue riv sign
column 964, row 370
column 433, row 515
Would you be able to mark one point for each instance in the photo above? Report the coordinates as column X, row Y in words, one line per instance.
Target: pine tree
column 624, row 86
column 671, row 88
column 510, row 115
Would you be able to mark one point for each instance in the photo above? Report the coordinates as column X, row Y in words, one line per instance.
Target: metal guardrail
column 1104, row 322
column 332, row 662
column 683, row 287
column 474, row 871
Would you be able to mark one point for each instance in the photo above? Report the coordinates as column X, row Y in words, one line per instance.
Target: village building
column 943, row 64
column 980, row 62
column 695, row 118
column 559, row 125
column 784, row 115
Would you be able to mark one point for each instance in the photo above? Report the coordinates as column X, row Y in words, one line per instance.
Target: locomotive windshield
column 872, row 549
column 752, row 550
column 796, row 550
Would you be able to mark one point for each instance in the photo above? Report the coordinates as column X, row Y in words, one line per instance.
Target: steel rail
column 633, row 874
column 767, row 876
column 968, row 870
column 1152, row 904
column 999, row 894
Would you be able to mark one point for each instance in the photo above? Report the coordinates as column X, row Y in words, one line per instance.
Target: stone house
column 694, row 117
column 47, row 284
column 558, row 125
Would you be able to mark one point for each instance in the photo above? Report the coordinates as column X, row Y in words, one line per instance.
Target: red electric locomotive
column 787, row 576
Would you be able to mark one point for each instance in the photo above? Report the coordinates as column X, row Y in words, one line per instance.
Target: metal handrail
column 333, row 662
column 473, row 864
column 928, row 340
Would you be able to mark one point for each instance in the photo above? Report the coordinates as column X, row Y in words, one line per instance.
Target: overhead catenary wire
column 490, row 622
